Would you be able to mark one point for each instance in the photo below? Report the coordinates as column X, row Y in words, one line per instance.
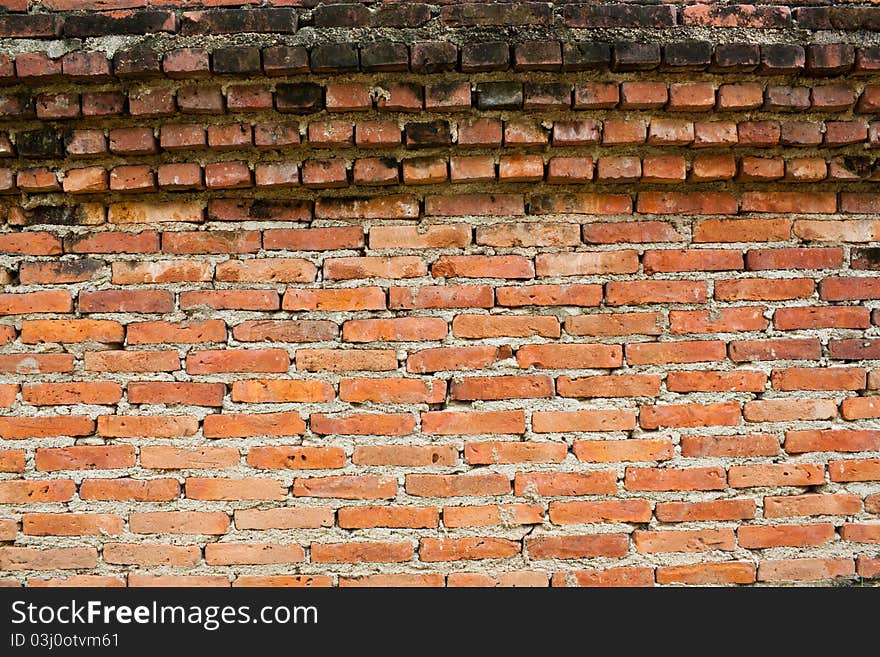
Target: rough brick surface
column 464, row 294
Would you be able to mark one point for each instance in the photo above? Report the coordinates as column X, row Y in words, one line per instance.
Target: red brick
column 230, row 299
column 728, row 572
column 237, row 360
column 128, row 426
column 46, row 426
column 729, row 446
column 446, row 296
column 581, row 264
column 859, row 408
column 577, row 546
column 831, row 440
column 625, row 385
column 746, row 476
column 362, row 298
column 62, row 558
column 37, row 331
column 782, row 410
column 269, row 390
column 283, row 518
column 177, row 458
column 836, row 378
column 296, row 458
column 133, row 490
column 346, row 487
column 513, row 452
column 473, row 423
column 762, row 289
column 812, row 505
column 804, row 570
column 623, row 293
column 715, row 381
column 145, row 554
column 758, row 537
column 632, row 450
column 35, row 491
column 365, row 517
column 487, row 516
column 695, row 540
column 198, row 488
column 71, row 524
column 483, row 267
column 586, row 420
column 225, row 554
column 609, row 577
column 652, row 479
column 313, row 239
column 244, row 425
column 615, row 324
column 50, row 394
column 84, row 457
column 721, row 509
column 469, row 485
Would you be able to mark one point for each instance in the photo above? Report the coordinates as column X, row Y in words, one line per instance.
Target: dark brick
column 342, row 15
column 687, row 56
column 636, row 56
column 428, row 134
column 240, row 59
column 855, row 18
column 619, row 15
column 833, row 97
column 499, row 95
column 401, row 15
column 502, row 14
column 7, row 68
column 829, row 58
column 137, row 63
column 585, row 56
column 782, row 59
column 337, row 57
column 537, row 56
column 59, row 215
column 182, row 63
column 433, row 56
column 16, row 106
column 302, row 98
column 239, row 21
column 800, row 133
column 83, row 65
column 863, row 167
column 285, row 60
column 736, row 57
column 547, row 95
column 485, row 56
column 813, row 18
column 37, row 65
column 838, row 18
column 31, row 26
column 867, row 60
column 866, row 258
column 39, row 143
column 257, row 209
column 438, row 94
column 103, row 103
column 787, row 99
column 384, row 57
column 122, row 22
column 737, row 15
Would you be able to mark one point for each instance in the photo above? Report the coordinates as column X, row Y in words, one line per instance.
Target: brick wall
column 447, row 294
